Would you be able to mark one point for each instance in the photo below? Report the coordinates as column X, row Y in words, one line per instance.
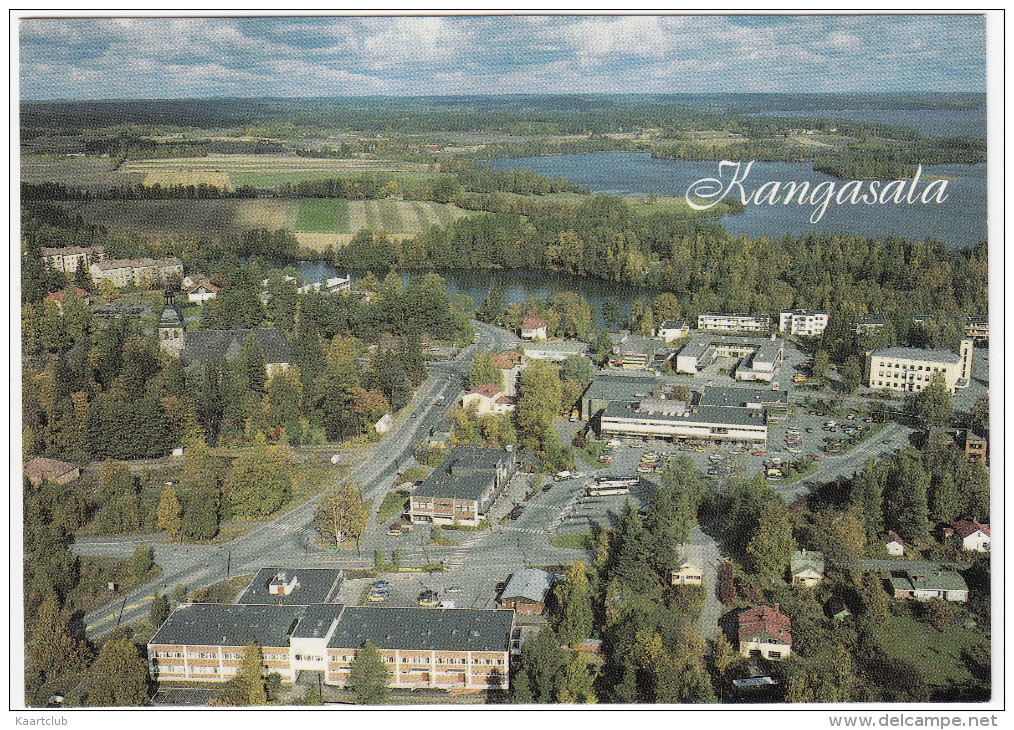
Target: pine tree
column 169, row 513
column 727, row 583
column 159, row 610
column 250, row 677
column 369, row 676
column 575, row 601
column 673, row 512
column 579, row 687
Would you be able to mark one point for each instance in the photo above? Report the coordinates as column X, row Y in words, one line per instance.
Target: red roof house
column 765, row 632
column 973, row 534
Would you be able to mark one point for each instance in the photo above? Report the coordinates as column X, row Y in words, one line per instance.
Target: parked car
column 517, row 511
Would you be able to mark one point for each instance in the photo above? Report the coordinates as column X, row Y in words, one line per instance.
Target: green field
column 322, row 215
column 272, row 178
column 573, row 541
column 936, row 654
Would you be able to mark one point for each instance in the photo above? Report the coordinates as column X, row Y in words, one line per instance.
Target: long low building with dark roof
column 680, row 422
column 443, row 648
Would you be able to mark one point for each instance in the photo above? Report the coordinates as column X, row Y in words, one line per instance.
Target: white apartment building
column 736, row 322
column 803, row 322
column 909, row 369
column 68, row 258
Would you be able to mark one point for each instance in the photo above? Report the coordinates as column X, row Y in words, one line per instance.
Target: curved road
column 288, row 538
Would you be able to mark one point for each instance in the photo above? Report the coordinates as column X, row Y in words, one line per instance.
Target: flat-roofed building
column 759, row 358
column 673, row 329
column 142, row 272
column 293, row 586
column 554, row 351
column 975, row 446
column 734, row 322
column 909, row 369
column 864, row 324
column 977, row 328
column 803, row 322
column 462, row 486
column 451, row 649
column 676, row 421
column 607, row 387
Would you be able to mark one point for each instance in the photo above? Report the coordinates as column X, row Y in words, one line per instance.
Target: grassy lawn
column 92, row 590
column 322, row 216
column 393, row 505
column 573, row 541
column 937, row 654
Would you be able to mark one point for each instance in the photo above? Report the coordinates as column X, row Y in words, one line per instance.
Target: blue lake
column 959, row 221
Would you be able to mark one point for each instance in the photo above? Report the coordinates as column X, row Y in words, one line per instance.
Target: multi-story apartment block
column 143, row 272
column 909, row 369
column 68, row 258
column 736, row 322
column 977, row 328
column 443, row 648
column 803, row 322
column 462, row 486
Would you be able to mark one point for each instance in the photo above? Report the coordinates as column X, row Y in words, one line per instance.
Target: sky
column 117, row 58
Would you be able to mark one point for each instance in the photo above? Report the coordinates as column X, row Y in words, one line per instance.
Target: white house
column 533, row 328
column 201, row 292
column 894, row 544
column 973, row 535
column 488, row 400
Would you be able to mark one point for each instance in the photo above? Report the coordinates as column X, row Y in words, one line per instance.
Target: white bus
column 606, row 485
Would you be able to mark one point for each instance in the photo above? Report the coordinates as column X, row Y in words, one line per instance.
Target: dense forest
column 513, row 114
column 701, row 264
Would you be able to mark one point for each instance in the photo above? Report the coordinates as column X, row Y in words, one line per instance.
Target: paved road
column 288, row 539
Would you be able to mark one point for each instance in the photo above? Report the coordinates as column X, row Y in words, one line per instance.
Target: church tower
column 170, row 327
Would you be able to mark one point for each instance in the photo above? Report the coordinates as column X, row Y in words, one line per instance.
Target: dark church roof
column 205, row 346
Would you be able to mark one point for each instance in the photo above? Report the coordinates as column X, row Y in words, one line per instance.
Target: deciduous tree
column 119, row 677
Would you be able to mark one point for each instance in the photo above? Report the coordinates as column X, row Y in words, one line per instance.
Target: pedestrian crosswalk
column 528, row 530
column 458, row 559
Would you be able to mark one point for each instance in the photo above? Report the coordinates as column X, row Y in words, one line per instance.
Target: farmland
column 267, row 170
column 171, row 218
column 318, row 223
column 83, row 172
